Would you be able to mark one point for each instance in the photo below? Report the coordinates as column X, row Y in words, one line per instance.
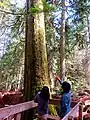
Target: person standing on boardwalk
column 42, row 98
column 65, row 102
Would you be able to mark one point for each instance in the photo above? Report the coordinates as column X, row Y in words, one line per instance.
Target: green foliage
column 81, row 41
column 11, row 62
column 52, row 110
column 52, row 48
column 83, row 7
column 18, row 27
column 4, row 3
column 46, row 8
column 35, row 9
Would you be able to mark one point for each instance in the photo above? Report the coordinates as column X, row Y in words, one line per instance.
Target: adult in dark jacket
column 65, row 101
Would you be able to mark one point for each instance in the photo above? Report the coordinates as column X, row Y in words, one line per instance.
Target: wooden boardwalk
column 14, row 111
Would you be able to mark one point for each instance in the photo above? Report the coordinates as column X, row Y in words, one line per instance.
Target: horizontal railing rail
column 18, row 108
column 14, row 111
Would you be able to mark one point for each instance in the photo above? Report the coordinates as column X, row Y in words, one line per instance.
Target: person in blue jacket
column 65, row 102
column 42, row 98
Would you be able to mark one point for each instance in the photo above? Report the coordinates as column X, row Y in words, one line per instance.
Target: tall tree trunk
column 62, row 42
column 41, row 67
column 87, row 66
column 36, row 68
column 28, row 68
column 28, row 52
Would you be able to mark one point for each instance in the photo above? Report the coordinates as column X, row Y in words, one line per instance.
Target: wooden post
column 70, row 118
column 80, row 111
column 18, row 116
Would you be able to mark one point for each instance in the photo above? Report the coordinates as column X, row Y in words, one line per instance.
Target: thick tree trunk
column 62, row 42
column 41, row 67
column 36, row 69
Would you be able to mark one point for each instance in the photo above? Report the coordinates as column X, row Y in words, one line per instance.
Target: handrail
column 14, row 109
column 75, row 112
column 57, row 102
column 18, row 108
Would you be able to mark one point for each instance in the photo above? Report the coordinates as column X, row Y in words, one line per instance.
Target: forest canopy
column 65, row 30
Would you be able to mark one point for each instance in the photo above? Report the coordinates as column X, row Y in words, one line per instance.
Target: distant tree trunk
column 62, row 42
column 19, row 77
column 87, row 36
column 88, row 25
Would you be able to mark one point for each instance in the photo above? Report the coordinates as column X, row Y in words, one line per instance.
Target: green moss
column 52, row 110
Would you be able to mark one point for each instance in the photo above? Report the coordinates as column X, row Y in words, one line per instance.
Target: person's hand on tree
column 57, row 78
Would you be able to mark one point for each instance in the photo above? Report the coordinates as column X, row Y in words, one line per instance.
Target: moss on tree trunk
column 41, row 67
column 36, row 68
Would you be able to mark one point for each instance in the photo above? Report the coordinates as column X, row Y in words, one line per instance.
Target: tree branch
column 8, row 12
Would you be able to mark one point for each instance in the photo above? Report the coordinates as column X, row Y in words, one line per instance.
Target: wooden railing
column 14, row 111
column 9, row 112
column 57, row 102
column 75, row 113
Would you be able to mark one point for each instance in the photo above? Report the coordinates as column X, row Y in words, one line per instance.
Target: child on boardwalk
column 65, row 102
column 42, row 98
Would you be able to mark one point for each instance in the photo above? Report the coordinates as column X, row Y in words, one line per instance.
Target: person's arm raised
column 58, row 79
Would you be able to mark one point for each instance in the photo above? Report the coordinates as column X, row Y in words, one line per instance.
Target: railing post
column 18, row 116
column 70, row 118
column 80, row 111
